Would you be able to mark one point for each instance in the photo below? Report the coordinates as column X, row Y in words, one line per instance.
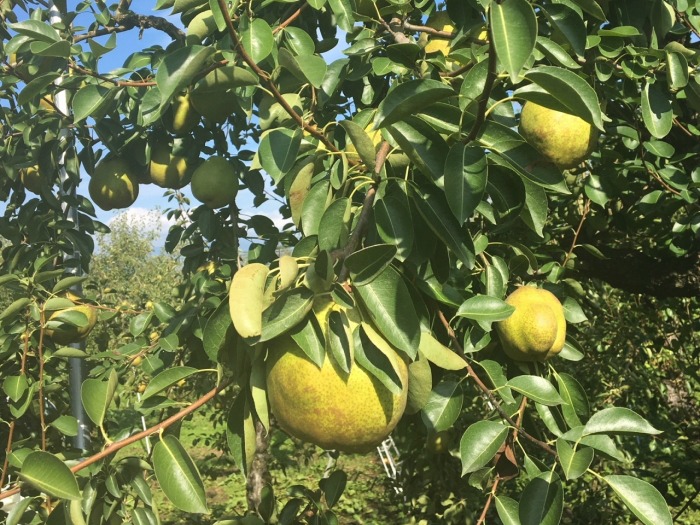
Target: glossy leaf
column 219, row 333
column 394, row 223
column 420, row 384
column 50, row 475
column 573, row 462
column 288, row 310
column 278, row 151
column 366, row 264
column 542, row 501
column 423, row 145
column 178, row 70
column 536, row 388
column 480, row 443
column 618, row 420
column 15, row 386
column 485, row 308
column 507, row 509
column 656, row 111
column 439, row 354
column 443, row 406
column 466, row 172
column 178, row 475
column 333, row 487
column 309, row 337
column 514, row 33
column 166, row 379
column 257, row 38
column 409, row 98
column 643, row 499
column 389, row 305
column 97, row 395
column 240, row 432
column 371, row 354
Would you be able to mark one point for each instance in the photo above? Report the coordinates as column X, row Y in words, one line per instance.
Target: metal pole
column 76, row 365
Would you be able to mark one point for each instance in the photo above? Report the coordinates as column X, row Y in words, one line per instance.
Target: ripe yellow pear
column 168, row 170
column 67, row 334
column 181, row 117
column 215, row 182
column 564, row 139
column 348, row 412
column 536, row 330
column 31, row 179
column 113, row 185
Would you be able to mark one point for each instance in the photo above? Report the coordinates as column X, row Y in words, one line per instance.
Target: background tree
column 408, row 196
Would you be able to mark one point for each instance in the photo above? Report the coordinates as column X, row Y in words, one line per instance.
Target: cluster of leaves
column 410, row 200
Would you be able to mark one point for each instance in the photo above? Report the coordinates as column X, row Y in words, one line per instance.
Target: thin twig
column 492, row 493
column 487, row 391
column 8, row 451
column 586, row 209
column 263, row 75
column 290, row 19
column 42, row 402
column 118, row 445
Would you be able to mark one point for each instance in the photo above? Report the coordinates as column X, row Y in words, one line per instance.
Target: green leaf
column 439, row 354
column 507, row 510
column 68, row 282
column 443, row 406
column 342, row 9
column 420, row 384
column 66, row 425
column 361, row 141
column 592, row 8
column 258, row 390
column 480, row 443
column 97, row 395
column 573, row 462
column 138, row 324
column 514, row 33
column 677, row 66
column 575, row 400
column 571, row 91
column 390, row 307
column 333, row 487
column 371, row 354
column 409, row 98
column 178, row 475
column 643, row 499
column 36, row 30
column 542, row 501
column 657, row 111
column 178, row 70
column 334, row 228
column 309, row 338
column 50, row 475
column 484, row 308
column 392, row 215
column 219, row 333
column 340, row 341
column 257, row 38
column 473, row 85
column 573, row 311
column 536, row 388
column 15, row 307
column 618, row 420
column 167, row 378
column 435, row 212
column 278, row 151
column 240, row 433
column 288, row 310
column 366, row 264
column 314, row 206
column 423, row 145
column 307, row 68
column 15, row 386
column 92, row 101
column 466, row 172
column 571, row 26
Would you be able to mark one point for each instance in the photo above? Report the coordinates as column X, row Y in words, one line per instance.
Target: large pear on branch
column 350, row 412
column 113, row 184
column 564, row 139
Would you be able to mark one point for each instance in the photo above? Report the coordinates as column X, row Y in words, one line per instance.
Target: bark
column 259, row 474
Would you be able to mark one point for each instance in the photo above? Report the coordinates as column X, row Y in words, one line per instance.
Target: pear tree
column 415, row 193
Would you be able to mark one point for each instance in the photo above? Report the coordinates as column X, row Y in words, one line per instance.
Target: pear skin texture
column 112, row 185
column 167, row 170
column 348, row 412
column 537, row 328
column 564, row 139
column 72, row 334
column 215, row 182
column 247, row 299
column 181, row 117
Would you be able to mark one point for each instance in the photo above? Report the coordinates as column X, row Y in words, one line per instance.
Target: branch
column 263, row 75
column 118, row 445
column 635, row 272
column 130, row 20
column 487, row 391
